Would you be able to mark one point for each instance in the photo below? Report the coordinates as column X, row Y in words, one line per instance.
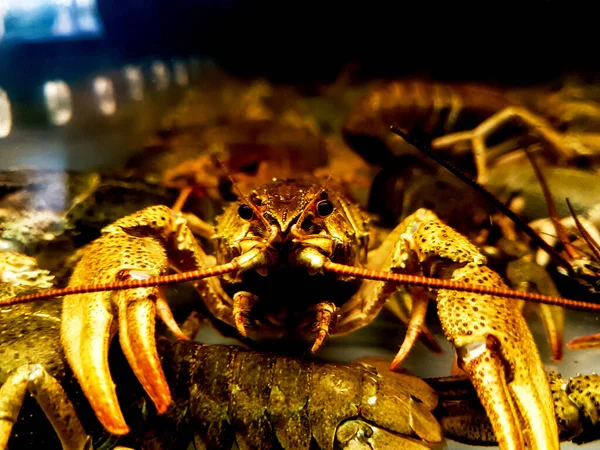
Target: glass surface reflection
column 42, row 20
column 105, row 95
column 160, row 75
column 135, row 82
column 57, row 97
column 5, row 115
column 181, row 74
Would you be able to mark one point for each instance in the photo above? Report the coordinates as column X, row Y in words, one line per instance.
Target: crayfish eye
column 245, row 212
column 324, row 208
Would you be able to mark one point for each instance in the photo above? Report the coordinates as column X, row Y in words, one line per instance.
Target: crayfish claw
column 86, row 341
column 133, row 248
column 483, row 365
column 497, row 351
column 137, row 312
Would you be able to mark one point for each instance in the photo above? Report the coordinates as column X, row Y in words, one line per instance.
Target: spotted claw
column 134, row 247
column 494, row 345
column 496, row 350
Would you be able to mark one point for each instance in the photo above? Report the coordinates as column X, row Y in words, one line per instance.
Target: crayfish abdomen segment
column 268, row 401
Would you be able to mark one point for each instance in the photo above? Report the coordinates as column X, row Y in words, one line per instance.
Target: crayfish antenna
column 182, row 277
column 593, row 245
column 593, row 340
column 436, row 283
column 552, row 212
column 576, row 256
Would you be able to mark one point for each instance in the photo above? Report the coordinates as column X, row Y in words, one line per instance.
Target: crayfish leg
column 583, row 342
column 525, row 274
column 400, row 305
column 52, row 399
column 416, row 325
column 485, row 129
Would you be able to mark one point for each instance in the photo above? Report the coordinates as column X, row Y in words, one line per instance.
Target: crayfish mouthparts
column 311, row 258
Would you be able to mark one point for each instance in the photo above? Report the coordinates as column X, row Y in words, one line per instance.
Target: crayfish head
column 282, row 235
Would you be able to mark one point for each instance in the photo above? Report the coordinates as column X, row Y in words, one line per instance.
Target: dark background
column 290, row 41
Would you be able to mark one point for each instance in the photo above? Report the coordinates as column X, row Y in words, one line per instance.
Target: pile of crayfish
column 295, row 217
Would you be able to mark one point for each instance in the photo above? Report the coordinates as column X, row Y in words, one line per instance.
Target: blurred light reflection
column 160, row 75
column 181, row 74
column 5, row 115
column 135, row 82
column 42, row 20
column 57, row 97
column 105, row 95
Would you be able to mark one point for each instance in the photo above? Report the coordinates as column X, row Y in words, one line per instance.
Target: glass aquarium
column 306, row 197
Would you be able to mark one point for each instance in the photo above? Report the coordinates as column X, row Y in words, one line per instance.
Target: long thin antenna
column 423, row 148
column 552, row 212
column 435, row 283
column 411, row 280
column 182, row 277
column 592, row 244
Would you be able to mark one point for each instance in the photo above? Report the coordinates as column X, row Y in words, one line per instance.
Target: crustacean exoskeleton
column 294, row 262
column 32, row 357
column 491, row 122
column 284, row 401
